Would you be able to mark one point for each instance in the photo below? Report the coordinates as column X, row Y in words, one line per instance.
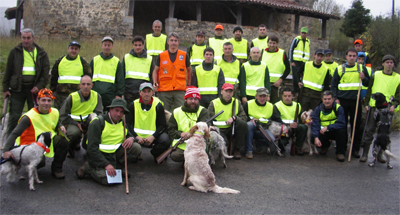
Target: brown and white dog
column 306, row 119
column 198, row 173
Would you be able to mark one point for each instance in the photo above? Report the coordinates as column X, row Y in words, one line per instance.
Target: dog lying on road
column 198, row 173
column 28, row 156
column 217, row 147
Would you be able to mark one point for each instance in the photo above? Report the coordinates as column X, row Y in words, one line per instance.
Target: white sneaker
column 249, row 155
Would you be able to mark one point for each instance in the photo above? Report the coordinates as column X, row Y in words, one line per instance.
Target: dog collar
column 47, row 150
column 199, row 133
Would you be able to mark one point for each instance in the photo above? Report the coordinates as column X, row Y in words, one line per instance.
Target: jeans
column 253, row 132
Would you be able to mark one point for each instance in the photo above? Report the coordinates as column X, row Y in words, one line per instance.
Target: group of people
column 243, row 79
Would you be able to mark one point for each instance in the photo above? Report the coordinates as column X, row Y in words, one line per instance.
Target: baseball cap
column 219, row 27
column 107, row 39
column 227, row 86
column 319, row 51
column 262, row 91
column 358, row 41
column 74, row 43
column 304, row 30
column 201, row 33
column 145, row 85
column 327, row 51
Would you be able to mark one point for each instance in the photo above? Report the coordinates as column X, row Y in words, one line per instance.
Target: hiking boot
column 249, row 155
column 340, row 157
column 81, row 171
column 381, row 159
column 323, row 151
column 236, row 154
column 299, row 152
column 58, row 175
column 355, row 154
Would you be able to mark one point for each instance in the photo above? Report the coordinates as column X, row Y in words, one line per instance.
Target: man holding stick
column 106, row 144
column 345, row 87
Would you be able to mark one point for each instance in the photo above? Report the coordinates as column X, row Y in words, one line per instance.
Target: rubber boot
column 364, row 156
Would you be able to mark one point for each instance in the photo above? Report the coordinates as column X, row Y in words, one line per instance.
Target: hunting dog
column 278, row 130
column 306, row 119
column 28, row 156
column 198, row 173
column 217, row 147
column 384, row 121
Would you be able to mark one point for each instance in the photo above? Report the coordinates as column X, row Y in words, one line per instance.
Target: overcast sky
column 377, row 7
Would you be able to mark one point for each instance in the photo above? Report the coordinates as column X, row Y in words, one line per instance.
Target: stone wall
column 78, row 19
column 188, row 29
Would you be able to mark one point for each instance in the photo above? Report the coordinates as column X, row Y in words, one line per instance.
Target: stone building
column 122, row 19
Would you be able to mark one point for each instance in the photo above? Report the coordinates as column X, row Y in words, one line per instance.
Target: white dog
column 198, row 172
column 306, row 119
column 28, row 156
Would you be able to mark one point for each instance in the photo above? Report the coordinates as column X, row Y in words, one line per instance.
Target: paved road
column 268, row 184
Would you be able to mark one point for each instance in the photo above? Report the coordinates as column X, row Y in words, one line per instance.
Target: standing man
column 172, row 74
column 258, row 110
column 285, row 112
column 225, row 120
column 361, row 60
column 217, row 41
column 79, row 104
column 183, row 118
column 240, row 45
column 138, row 68
column 208, row 78
column 108, row 76
column 230, row 66
column 316, row 79
column 328, row 62
column 106, row 144
column 345, row 84
column 37, row 120
column 262, row 41
column 27, row 71
column 67, row 72
column 358, row 45
column 386, row 82
column 299, row 53
column 196, row 50
column 253, row 75
column 147, row 122
column 278, row 66
column 328, row 123
column 156, row 42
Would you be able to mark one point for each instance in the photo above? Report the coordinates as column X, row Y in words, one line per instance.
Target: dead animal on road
column 306, row 119
column 217, row 147
column 198, row 174
column 28, row 156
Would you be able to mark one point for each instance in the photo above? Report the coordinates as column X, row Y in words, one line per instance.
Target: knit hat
column 389, row 57
column 237, row 28
column 360, row 54
column 192, row 92
column 45, row 93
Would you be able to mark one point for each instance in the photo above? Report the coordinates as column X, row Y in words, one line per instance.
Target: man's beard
column 191, row 107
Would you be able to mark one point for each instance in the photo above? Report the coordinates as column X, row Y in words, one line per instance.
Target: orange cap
column 358, row 41
column 219, row 27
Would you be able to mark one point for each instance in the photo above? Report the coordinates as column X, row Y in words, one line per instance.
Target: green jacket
column 12, row 79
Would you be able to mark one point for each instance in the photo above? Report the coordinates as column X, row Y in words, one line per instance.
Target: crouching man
column 328, row 123
column 105, row 150
column 258, row 110
column 36, row 121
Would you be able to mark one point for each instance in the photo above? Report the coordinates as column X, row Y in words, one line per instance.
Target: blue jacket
column 316, row 121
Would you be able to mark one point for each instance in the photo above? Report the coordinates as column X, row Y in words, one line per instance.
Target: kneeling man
column 329, row 124
column 106, row 144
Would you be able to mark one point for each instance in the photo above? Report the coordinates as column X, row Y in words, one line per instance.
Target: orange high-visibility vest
column 172, row 76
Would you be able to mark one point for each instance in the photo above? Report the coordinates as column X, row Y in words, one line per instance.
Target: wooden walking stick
column 355, row 119
column 126, row 162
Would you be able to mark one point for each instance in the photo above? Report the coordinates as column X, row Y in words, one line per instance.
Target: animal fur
column 384, row 121
column 198, row 173
column 30, row 157
column 4, row 124
column 276, row 127
column 217, row 147
column 306, row 119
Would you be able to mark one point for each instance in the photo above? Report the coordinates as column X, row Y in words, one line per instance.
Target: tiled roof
column 291, row 6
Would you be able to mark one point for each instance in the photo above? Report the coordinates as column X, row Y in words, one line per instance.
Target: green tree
column 356, row 20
